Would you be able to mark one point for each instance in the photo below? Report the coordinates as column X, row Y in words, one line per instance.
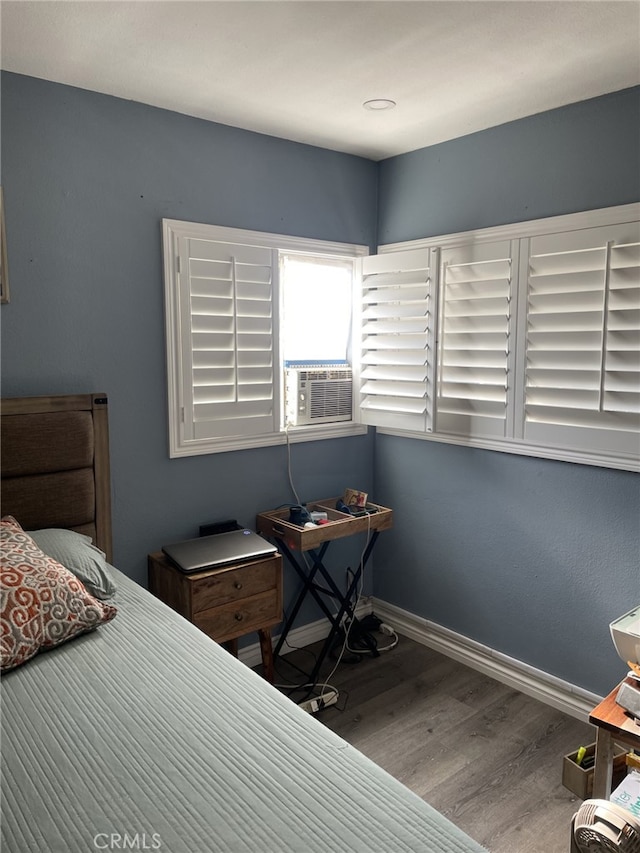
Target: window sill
column 296, row 436
column 601, row 460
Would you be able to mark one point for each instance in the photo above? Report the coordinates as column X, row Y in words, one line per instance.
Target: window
column 582, row 344
column 523, row 338
column 317, row 299
column 238, row 304
column 537, row 339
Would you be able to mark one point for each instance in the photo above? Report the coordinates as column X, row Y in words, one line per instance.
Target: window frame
column 173, row 231
column 513, row 441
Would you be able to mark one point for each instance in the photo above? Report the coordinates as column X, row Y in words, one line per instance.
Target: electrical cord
column 328, row 690
column 389, row 630
column 295, row 665
column 384, row 629
column 345, row 644
column 358, row 597
column 306, row 562
column 293, row 687
column 289, row 472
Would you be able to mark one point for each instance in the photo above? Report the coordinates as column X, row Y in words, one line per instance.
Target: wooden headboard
column 54, row 457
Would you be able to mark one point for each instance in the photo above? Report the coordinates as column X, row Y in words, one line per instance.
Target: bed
column 143, row 733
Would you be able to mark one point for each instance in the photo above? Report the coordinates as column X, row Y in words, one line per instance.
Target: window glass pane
column 316, row 321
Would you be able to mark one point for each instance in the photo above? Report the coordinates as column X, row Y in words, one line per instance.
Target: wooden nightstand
column 225, row 603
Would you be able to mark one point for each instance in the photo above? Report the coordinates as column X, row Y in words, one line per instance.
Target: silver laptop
column 221, row 549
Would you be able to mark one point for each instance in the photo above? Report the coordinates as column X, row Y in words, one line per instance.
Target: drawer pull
column 239, row 617
column 238, row 585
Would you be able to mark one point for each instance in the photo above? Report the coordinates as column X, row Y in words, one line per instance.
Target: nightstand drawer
column 240, row 617
column 234, row 584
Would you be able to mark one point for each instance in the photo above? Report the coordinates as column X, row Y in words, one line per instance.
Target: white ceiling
column 301, row 69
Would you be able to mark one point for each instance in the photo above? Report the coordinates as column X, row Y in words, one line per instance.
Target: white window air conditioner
column 317, row 395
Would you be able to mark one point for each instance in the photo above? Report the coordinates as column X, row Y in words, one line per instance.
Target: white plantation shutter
column 475, row 351
column 396, row 339
column 582, row 369
column 523, row 338
column 621, row 379
column 223, row 323
column 226, row 297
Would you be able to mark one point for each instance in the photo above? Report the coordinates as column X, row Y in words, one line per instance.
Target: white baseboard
column 303, row 636
column 553, row 691
column 563, row 695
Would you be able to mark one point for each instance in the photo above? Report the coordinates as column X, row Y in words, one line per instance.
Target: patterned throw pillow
column 42, row 603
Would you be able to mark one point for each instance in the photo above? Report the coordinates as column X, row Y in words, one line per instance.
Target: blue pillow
column 77, row 553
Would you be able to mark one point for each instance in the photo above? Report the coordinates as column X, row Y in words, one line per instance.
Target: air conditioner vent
column 318, row 395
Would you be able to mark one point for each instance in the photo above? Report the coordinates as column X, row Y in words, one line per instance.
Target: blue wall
column 87, row 179
column 579, row 157
column 531, row 557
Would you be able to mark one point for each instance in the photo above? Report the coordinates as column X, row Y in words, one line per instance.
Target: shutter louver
column 474, row 339
column 231, row 332
column 582, row 375
column 394, row 366
column 621, row 388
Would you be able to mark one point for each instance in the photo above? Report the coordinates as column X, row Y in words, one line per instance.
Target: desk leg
column 307, row 577
column 266, row 648
column 603, row 770
column 231, row 646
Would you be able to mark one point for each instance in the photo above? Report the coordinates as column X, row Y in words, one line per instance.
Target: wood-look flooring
column 483, row 754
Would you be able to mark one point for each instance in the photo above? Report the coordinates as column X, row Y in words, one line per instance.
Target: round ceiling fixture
column 379, row 104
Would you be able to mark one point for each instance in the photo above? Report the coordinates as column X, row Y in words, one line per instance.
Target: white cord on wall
column 293, row 488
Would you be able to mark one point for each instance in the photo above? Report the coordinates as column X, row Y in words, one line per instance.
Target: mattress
column 145, row 734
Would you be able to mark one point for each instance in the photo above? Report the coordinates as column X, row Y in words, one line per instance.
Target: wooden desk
column 614, row 725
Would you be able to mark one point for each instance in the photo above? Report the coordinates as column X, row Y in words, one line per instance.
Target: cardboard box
column 627, row 793
column 580, row 780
